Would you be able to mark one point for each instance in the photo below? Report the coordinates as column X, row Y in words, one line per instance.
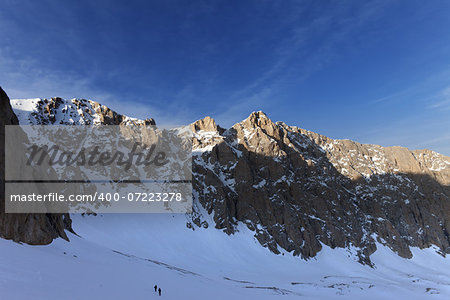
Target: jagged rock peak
column 205, row 124
column 259, row 119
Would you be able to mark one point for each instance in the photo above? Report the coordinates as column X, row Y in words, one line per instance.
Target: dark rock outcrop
column 35, row 229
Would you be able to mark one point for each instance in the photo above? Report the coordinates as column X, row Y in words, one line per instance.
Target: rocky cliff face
column 28, row 228
column 298, row 190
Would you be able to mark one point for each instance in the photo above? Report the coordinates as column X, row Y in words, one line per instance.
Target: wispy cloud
column 26, row 78
column 443, row 102
column 394, row 96
column 181, row 86
column 295, row 59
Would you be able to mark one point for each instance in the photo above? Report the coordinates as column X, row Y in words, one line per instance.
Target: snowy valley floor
column 124, row 256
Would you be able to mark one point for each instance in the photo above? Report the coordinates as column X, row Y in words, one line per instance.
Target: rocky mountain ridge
column 57, row 111
column 299, row 190
column 296, row 189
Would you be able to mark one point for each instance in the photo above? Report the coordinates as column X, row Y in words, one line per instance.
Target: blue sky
column 372, row 71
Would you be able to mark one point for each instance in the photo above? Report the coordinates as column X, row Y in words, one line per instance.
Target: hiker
column 159, row 291
column 156, row 287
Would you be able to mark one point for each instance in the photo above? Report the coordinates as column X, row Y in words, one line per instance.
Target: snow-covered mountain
column 70, row 112
column 368, row 221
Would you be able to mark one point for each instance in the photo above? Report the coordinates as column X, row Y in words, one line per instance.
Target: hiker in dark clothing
column 156, row 287
column 159, row 291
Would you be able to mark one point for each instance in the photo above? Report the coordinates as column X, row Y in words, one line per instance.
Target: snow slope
column 122, row 257
column 23, row 109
